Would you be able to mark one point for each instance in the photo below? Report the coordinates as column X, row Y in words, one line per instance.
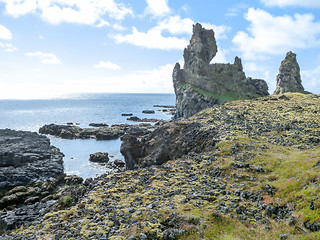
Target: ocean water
column 30, row 115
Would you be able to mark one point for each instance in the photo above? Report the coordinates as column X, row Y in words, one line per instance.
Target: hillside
column 247, row 169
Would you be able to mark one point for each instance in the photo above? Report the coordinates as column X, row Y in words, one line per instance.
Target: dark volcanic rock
column 200, row 85
column 99, row 157
column 148, row 111
column 131, row 149
column 103, row 133
column 26, row 158
column 289, row 79
column 134, row 119
column 169, row 141
column 98, row 125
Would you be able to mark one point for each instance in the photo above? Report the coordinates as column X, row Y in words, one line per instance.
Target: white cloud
column 269, row 34
column 47, row 58
column 298, row 3
column 8, row 47
column 174, row 25
column 5, row 33
column 18, row 8
column 102, row 23
column 311, row 79
column 107, row 65
column 157, row 7
column 152, row 39
column 72, row 11
column 118, row 27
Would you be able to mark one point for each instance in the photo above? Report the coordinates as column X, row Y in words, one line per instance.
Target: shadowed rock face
column 289, row 79
column 26, row 158
column 200, row 85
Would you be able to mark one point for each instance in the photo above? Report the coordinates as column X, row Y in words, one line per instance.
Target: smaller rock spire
column 289, row 79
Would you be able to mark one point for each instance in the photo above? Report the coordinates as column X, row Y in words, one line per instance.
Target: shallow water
column 30, row 115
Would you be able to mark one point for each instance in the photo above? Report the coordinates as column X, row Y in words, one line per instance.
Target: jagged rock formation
column 289, row 79
column 200, row 85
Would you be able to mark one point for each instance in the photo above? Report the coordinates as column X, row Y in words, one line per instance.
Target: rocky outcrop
column 100, row 157
column 103, row 133
column 289, row 79
column 26, row 158
column 200, row 85
column 169, row 141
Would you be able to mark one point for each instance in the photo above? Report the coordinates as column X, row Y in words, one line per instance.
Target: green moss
column 227, row 97
column 67, row 200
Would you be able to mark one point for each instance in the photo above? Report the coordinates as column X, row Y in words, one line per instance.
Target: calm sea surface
column 30, row 115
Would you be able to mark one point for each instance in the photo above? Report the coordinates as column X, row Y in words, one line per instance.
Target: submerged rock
column 289, row 79
column 200, row 85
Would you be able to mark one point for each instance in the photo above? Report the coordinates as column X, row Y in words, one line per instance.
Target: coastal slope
column 247, row 169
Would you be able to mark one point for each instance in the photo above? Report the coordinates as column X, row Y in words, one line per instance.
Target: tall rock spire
column 199, row 84
column 288, row 78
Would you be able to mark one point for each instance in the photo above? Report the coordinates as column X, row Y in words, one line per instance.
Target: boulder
column 100, row 157
column 288, row 78
column 200, row 85
column 134, row 119
column 119, row 163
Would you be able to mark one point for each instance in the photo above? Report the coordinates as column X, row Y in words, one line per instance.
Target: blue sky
column 53, row 48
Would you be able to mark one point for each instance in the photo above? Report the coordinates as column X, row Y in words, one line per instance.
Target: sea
column 82, row 109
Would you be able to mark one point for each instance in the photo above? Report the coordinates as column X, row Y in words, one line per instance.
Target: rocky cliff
column 200, row 85
column 289, row 79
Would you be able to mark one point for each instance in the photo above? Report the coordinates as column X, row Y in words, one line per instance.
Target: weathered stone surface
column 200, row 85
column 289, row 79
column 26, row 158
column 99, row 157
column 103, row 133
column 166, row 142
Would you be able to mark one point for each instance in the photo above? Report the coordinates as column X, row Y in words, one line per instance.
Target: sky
column 59, row 48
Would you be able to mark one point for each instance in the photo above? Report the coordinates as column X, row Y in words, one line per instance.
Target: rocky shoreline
column 223, row 175
column 245, row 169
column 99, row 133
